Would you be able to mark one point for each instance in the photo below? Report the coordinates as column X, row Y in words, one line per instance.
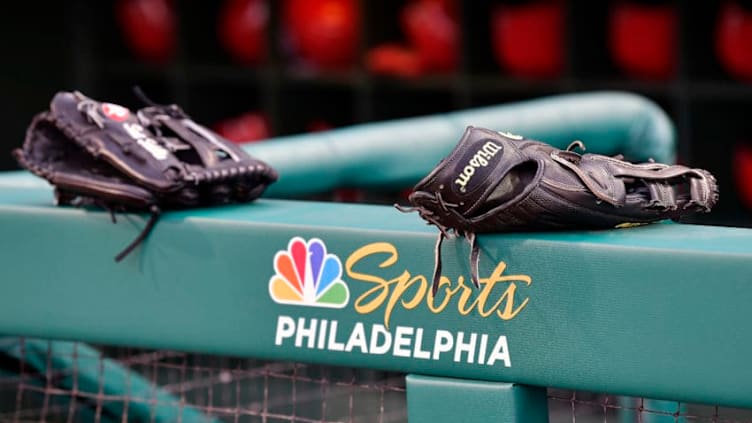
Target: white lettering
column 333, row 345
column 383, row 348
column 483, row 346
column 443, row 343
column 500, row 352
column 322, row 334
column 285, row 329
column 357, row 339
column 405, row 341
column 491, row 148
column 462, row 180
column 136, row 132
column 402, row 341
column 303, row 332
column 480, row 159
column 468, row 347
column 156, row 150
column 417, row 352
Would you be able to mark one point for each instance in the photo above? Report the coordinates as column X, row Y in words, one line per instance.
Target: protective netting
column 57, row 381
column 53, row 381
column 587, row 407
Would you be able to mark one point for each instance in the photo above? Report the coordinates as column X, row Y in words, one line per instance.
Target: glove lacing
column 88, row 108
column 444, row 233
column 155, row 213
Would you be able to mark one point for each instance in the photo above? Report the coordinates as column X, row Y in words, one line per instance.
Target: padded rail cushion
column 396, row 154
column 660, row 311
column 435, row 399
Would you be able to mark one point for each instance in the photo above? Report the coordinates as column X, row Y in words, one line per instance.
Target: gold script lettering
column 365, row 304
column 397, row 291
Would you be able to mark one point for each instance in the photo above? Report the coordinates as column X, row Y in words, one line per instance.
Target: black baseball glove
column 105, row 155
column 499, row 182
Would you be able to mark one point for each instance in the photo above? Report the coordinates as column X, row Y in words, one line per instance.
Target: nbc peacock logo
column 306, row 274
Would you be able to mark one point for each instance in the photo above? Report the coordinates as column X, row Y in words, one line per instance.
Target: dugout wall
column 658, row 311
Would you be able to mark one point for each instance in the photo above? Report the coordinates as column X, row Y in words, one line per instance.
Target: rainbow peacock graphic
column 305, row 274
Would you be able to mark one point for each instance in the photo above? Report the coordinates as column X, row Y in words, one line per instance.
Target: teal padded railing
column 592, row 301
column 657, row 311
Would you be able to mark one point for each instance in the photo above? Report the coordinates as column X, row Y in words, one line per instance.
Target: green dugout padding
column 437, row 399
column 660, row 311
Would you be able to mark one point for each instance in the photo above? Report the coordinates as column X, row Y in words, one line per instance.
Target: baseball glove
column 158, row 158
column 498, row 182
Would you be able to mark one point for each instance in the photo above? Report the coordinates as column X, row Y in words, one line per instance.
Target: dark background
column 52, row 46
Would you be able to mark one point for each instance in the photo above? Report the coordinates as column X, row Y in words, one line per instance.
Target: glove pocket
column 103, row 189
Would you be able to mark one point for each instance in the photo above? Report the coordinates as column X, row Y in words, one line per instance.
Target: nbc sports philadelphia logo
column 306, row 274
